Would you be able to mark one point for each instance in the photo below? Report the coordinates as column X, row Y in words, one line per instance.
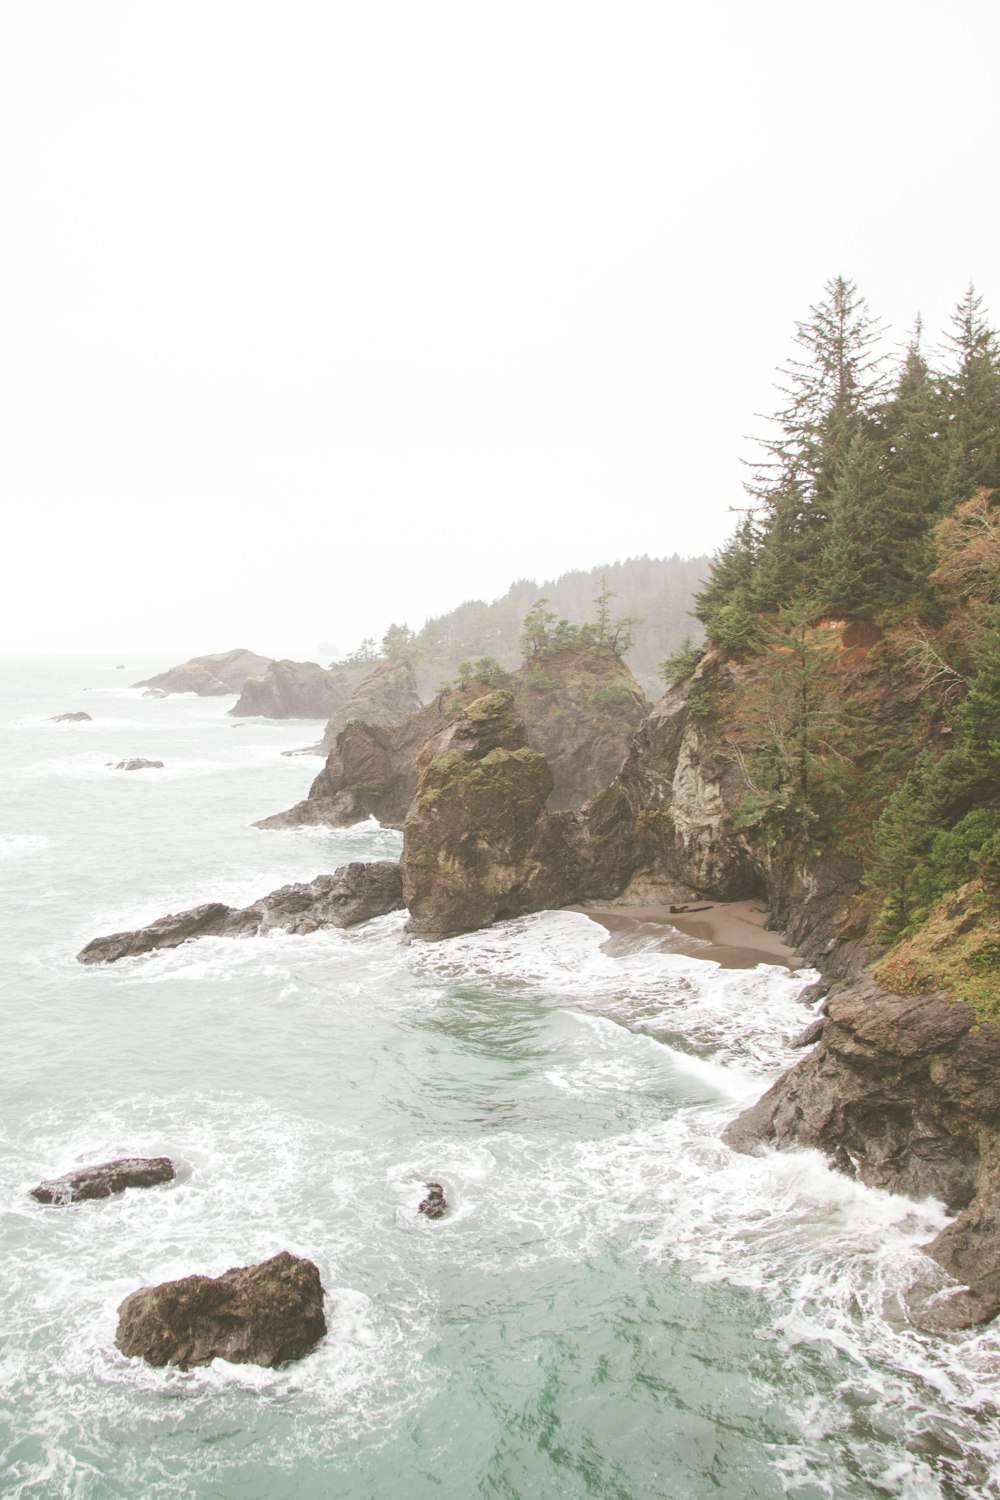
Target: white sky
column 315, row 316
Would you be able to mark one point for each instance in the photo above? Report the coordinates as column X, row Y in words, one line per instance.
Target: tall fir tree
column 832, row 390
column 973, row 390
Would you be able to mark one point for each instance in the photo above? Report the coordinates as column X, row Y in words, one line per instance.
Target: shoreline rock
column 213, row 676
column 904, row 1094
column 105, row 1179
column 354, row 893
column 268, row 1314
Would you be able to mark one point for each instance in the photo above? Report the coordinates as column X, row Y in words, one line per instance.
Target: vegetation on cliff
column 862, row 589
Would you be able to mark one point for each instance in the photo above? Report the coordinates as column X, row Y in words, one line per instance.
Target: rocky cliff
column 209, row 676
column 580, row 706
column 479, row 845
column 384, row 696
column 295, row 690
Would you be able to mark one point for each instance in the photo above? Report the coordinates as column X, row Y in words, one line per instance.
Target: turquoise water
column 616, row 1305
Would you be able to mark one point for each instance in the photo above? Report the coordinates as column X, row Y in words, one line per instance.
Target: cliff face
column 294, row 690
column 385, row 696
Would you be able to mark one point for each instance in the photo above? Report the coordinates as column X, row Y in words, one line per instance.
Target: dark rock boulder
column 435, row 1205
column 294, row 690
column 103, row 1180
column 478, row 845
column 904, row 1094
column 211, row 676
column 138, row 764
column 268, row 1314
column 353, row 893
column 77, row 718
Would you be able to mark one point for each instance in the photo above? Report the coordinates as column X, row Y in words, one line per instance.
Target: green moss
column 489, row 706
column 957, row 950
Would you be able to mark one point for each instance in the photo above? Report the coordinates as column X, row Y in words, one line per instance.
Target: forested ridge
column 873, row 517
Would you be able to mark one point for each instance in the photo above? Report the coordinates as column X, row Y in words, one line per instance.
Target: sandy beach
column 732, row 933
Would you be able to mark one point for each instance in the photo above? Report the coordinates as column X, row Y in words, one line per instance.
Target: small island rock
column 106, row 1178
column 267, row 1314
column 138, row 764
column 77, row 718
column 435, row 1205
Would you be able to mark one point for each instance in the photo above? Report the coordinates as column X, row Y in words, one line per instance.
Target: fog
column 315, row 317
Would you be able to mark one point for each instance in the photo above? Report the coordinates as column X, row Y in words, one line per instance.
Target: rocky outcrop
column 294, row 690
column 137, row 764
column 77, row 718
column 581, row 707
column 209, row 676
column 268, row 1314
column 435, row 1205
column 353, row 893
column 373, row 770
column 103, row 1180
column 387, row 695
column 478, row 843
column 905, row 1095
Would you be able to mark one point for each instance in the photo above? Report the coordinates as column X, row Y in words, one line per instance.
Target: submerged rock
column 904, row 1093
column 77, row 718
column 106, row 1178
column 211, row 676
column 435, row 1205
column 353, row 893
column 267, row 1314
column 138, row 764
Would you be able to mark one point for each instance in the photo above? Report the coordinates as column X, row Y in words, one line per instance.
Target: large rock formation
column 373, row 770
column 295, row 690
column 106, row 1178
column 478, row 843
column 353, row 893
column 904, row 1094
column 581, row 707
column 266, row 1314
column 208, row 676
column 385, row 696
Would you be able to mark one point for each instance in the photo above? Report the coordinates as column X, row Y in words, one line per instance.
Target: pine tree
column 859, row 564
column 974, row 402
column 832, row 392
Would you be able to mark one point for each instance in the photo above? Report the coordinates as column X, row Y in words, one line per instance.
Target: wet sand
column 732, row 933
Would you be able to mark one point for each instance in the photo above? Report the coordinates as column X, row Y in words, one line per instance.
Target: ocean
column 616, row 1305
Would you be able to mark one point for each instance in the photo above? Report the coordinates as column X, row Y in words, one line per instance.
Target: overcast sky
column 316, row 316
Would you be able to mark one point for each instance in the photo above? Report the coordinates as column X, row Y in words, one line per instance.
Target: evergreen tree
column 859, row 564
column 832, row 392
column 974, row 402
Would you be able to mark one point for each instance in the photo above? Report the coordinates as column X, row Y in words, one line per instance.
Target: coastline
column 731, row 933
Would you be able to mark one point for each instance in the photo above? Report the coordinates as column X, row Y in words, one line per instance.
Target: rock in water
column 266, row 1314
column 435, row 1205
column 77, row 718
column 138, row 764
column 353, row 893
column 106, row 1178
column 209, row 676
